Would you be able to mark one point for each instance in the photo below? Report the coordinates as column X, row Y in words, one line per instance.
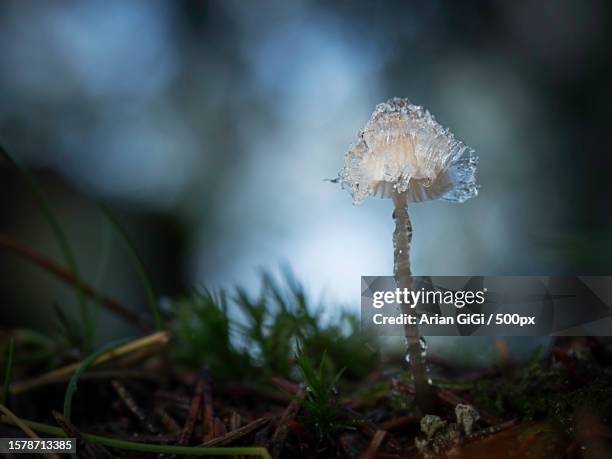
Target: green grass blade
column 104, row 257
column 61, row 239
column 146, row 447
column 72, row 385
column 8, row 372
column 140, row 267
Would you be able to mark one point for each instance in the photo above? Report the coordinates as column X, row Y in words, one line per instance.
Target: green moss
column 202, row 328
column 540, row 391
column 595, row 399
column 323, row 411
column 244, row 335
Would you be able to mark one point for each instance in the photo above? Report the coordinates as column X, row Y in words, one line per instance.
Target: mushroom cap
column 403, row 148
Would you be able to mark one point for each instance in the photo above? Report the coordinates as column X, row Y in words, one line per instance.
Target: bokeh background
column 209, row 127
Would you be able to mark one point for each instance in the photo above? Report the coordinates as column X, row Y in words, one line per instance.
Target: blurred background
column 209, row 128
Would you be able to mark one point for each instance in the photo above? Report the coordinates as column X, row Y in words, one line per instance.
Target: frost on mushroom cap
column 403, row 148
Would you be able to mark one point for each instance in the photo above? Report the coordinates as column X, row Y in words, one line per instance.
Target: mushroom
column 466, row 417
column 430, row 424
column 404, row 154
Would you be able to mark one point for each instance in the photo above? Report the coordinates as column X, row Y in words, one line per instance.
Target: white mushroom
column 466, row 417
column 403, row 148
column 430, row 424
column 404, row 154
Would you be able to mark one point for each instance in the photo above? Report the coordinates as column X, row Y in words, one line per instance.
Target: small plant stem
column 145, row 278
column 88, row 362
column 8, row 372
column 282, row 431
column 402, row 238
column 237, row 434
column 50, row 266
column 107, row 242
column 144, row 447
column 61, row 374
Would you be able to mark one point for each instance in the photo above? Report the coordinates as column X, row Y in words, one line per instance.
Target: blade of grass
column 61, row 239
column 146, row 447
column 139, row 264
column 104, row 257
column 32, row 337
column 64, row 373
column 8, row 372
column 69, row 327
column 88, row 362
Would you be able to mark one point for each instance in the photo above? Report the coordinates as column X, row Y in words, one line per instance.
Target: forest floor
column 298, row 388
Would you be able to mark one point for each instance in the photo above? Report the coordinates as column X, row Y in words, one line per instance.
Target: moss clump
column 245, row 336
column 323, row 412
column 541, row 390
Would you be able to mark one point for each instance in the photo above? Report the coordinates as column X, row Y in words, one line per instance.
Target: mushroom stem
column 402, row 238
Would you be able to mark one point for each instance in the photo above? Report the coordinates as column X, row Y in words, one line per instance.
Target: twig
column 52, row 267
column 133, row 407
column 121, row 374
column 133, row 359
column 61, row 374
column 368, row 428
column 219, row 428
column 285, row 385
column 167, row 421
column 174, row 401
column 493, row 429
column 237, row 434
column 91, row 451
column 235, row 421
column 23, row 426
column 193, row 414
column 234, row 424
column 400, row 422
column 375, row 445
column 280, row 434
column 208, row 420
